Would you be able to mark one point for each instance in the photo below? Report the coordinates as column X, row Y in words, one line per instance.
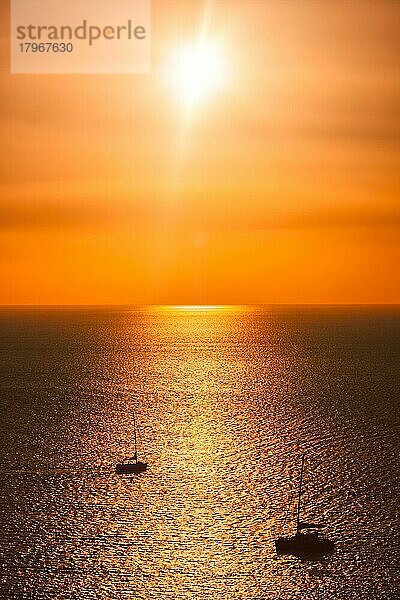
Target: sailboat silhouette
column 132, row 464
column 312, row 543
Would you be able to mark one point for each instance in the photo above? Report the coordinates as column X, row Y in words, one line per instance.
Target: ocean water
column 226, row 399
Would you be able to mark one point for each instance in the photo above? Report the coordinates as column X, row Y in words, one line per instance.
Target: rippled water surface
column 226, row 400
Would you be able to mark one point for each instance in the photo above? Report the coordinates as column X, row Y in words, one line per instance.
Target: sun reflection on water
column 225, row 398
column 196, row 308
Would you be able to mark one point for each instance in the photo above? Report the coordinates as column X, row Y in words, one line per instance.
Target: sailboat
column 309, row 544
column 132, row 464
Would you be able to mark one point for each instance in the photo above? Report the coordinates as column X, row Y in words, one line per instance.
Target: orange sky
column 283, row 188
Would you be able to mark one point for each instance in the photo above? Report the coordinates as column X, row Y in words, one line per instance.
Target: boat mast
column 134, row 435
column 299, row 497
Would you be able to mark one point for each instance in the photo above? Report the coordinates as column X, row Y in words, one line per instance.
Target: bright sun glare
column 196, row 72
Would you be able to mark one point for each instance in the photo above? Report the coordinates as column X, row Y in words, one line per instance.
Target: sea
column 226, row 400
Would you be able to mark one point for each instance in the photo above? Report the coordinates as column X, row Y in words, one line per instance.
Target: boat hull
column 128, row 468
column 304, row 545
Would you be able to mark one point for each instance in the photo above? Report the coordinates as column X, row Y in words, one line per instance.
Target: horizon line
column 175, row 305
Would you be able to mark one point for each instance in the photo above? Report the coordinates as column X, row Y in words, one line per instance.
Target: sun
column 196, row 72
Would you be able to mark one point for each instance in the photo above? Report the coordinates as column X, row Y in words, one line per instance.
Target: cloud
column 226, row 215
column 29, row 215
